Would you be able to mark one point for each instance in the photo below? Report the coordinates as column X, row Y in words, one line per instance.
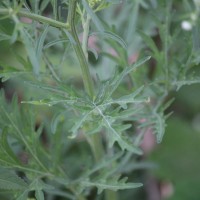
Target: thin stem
column 95, row 140
column 96, row 146
column 9, row 12
column 87, row 80
column 81, row 52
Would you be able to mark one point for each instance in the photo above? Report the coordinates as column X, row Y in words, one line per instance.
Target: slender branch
column 87, row 80
column 9, row 12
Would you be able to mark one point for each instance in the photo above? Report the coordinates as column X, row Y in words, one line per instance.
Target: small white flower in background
column 186, row 25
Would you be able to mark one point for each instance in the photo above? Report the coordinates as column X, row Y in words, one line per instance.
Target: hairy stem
column 87, row 80
column 95, row 140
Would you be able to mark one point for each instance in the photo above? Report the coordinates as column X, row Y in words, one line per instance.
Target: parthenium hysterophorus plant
column 90, row 136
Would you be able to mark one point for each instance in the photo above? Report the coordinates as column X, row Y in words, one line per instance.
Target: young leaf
column 116, row 81
column 113, row 184
column 115, row 136
column 159, row 126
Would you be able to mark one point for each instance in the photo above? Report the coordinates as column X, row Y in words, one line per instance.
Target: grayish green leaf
column 93, row 16
column 112, row 184
column 113, row 36
column 10, row 181
column 40, row 42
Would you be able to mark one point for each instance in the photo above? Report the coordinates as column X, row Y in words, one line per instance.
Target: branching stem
column 87, row 80
column 81, row 52
column 36, row 17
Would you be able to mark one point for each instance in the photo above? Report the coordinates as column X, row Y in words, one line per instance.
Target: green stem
column 96, row 146
column 87, row 80
column 39, row 18
column 94, row 140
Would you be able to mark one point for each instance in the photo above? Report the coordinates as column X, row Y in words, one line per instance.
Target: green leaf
column 116, row 81
column 105, row 162
column 159, row 120
column 49, row 102
column 55, row 120
column 103, row 93
column 38, row 184
column 69, row 36
column 23, row 196
column 10, row 181
column 159, row 126
column 112, row 36
column 181, row 83
column 115, row 136
column 60, row 90
column 150, row 43
column 122, row 127
column 79, row 123
column 39, row 195
column 11, row 72
column 7, row 151
column 113, row 184
column 44, row 4
column 93, row 16
column 40, row 42
column 127, row 99
column 54, row 42
column 27, row 40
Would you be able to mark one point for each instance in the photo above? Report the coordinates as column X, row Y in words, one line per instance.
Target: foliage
column 93, row 76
